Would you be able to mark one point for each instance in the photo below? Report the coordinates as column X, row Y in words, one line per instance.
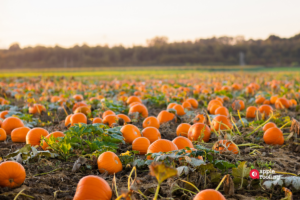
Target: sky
column 131, row 22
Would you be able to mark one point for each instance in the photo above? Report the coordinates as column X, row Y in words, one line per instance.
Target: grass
column 109, row 73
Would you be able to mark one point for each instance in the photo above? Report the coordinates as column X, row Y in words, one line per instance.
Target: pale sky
column 132, row 22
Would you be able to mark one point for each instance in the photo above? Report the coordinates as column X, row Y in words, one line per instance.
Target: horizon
column 132, row 23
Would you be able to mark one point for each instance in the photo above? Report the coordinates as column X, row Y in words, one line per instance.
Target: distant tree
column 157, row 41
column 14, row 47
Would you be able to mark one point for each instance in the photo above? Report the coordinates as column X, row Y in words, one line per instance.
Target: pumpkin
column 182, row 142
column 97, row 120
column 83, row 109
column 2, row 134
column 199, row 130
column 109, row 162
column 36, row 109
column 68, row 120
column 179, row 110
column 161, row 145
column 19, row 134
column 78, row 118
column 269, row 125
column 273, row 136
column 209, row 194
column 222, row 111
column 130, row 132
column 183, row 129
column 110, row 120
column 12, row 174
column 78, row 97
column 193, row 102
column 140, row 108
column 125, row 118
column 151, row 133
column 165, row 116
column 282, row 103
column 108, row 112
column 141, row 144
column 151, row 121
column 224, row 125
column 10, row 123
column 225, row 146
column 93, row 187
column 265, row 109
column 251, row 112
column 55, row 134
column 34, row 136
column 132, row 99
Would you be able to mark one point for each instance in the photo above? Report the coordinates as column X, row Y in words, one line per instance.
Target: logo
column 254, row 174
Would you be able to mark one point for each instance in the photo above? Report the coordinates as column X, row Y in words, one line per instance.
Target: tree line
column 273, row 51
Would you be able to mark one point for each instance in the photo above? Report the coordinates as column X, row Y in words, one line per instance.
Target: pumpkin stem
column 11, row 180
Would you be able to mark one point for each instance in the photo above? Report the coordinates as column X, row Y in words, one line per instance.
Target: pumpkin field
column 179, row 135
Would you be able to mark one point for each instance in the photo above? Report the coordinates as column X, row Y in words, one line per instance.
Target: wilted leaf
column 228, row 185
column 162, row 172
column 80, row 161
column 183, row 169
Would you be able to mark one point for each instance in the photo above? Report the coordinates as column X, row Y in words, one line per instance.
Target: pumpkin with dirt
column 12, row 174
column 226, row 146
column 199, row 131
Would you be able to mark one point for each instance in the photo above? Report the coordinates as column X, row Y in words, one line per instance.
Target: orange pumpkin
column 269, row 125
column 130, row 132
column 83, row 109
column 78, row 118
column 78, row 97
column 222, row 111
column 282, row 103
column 2, row 135
column 193, row 102
column 141, row 144
column 124, row 117
column 273, row 136
column 108, row 112
column 55, row 134
column 34, row 136
column 151, row 133
column 37, row 109
column 221, row 123
column 251, row 112
column 93, row 187
column 132, row 99
column 199, row 119
column 12, row 174
column 68, row 120
column 161, row 145
column 97, row 120
column 109, row 162
column 182, row 142
column 151, row 122
column 110, row 120
column 3, row 113
column 199, row 130
column 19, row 134
column 179, row 110
column 265, row 110
column 225, row 146
column 183, row 129
column 209, row 194
column 171, row 105
column 10, row 123
column 140, row 108
column 165, row 116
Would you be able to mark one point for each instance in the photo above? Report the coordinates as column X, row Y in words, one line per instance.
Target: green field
column 149, row 72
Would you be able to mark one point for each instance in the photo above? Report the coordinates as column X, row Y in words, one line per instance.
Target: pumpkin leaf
column 161, row 172
column 139, row 163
